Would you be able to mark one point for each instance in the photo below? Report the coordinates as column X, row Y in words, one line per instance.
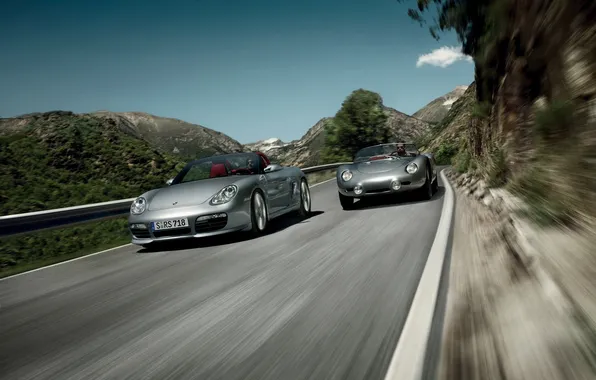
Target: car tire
column 427, row 189
column 436, row 184
column 347, row 203
column 305, row 199
column 258, row 213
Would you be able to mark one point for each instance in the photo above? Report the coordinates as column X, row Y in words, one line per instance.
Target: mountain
column 435, row 111
column 173, row 135
column 307, row 150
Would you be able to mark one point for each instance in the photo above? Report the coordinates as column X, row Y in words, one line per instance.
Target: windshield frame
column 220, row 159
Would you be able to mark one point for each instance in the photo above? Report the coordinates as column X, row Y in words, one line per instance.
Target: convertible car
column 387, row 169
column 217, row 195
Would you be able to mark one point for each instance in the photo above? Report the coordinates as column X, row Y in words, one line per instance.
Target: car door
column 277, row 188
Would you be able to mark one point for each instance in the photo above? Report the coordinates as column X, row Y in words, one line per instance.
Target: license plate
column 170, row 224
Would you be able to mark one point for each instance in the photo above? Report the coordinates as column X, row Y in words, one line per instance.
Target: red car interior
column 218, row 170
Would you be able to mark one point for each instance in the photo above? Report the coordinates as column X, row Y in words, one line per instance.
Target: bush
column 545, row 205
column 445, row 153
column 554, row 121
column 462, row 161
column 496, row 168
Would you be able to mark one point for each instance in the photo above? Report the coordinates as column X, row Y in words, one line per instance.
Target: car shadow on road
column 276, row 225
column 392, row 201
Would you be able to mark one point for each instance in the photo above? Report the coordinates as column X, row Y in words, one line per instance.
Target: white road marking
column 320, row 183
column 63, row 262
column 408, row 358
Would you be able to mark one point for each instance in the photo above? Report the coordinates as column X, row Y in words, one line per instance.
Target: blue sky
column 250, row 69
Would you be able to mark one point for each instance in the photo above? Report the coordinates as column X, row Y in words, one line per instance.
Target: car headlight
column 346, row 175
column 138, row 206
column 224, row 195
column 412, row 168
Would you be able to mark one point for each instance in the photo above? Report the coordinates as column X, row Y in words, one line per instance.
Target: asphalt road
column 323, row 298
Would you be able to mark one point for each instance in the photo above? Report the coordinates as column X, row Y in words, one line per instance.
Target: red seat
column 218, row 170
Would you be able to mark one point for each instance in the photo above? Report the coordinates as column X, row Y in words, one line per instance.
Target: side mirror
column 272, row 168
column 169, row 181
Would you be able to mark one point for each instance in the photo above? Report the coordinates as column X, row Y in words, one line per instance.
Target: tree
column 360, row 122
column 469, row 19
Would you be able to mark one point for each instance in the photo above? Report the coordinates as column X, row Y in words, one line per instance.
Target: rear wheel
column 427, row 189
column 258, row 213
column 346, row 202
column 305, row 203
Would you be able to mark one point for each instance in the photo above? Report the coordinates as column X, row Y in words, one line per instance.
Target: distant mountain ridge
column 435, row 111
column 306, row 151
column 173, row 135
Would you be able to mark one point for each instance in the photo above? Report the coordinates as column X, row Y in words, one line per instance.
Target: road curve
column 323, row 298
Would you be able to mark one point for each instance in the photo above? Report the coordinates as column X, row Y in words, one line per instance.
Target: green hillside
column 61, row 159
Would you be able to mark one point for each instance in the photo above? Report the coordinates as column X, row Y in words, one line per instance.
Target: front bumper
column 204, row 220
column 381, row 184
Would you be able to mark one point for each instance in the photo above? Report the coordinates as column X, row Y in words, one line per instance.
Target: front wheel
column 436, row 184
column 427, row 191
column 305, row 202
column 258, row 214
column 346, row 202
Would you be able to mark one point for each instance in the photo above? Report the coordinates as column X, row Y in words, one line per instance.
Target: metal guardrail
column 17, row 224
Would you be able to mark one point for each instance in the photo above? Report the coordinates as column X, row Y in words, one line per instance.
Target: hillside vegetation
column 531, row 125
column 61, row 159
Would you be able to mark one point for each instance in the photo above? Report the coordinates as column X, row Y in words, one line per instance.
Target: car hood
column 190, row 193
column 381, row 166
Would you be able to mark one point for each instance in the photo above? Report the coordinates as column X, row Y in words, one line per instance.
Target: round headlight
column 346, row 175
column 138, row 206
column 412, row 168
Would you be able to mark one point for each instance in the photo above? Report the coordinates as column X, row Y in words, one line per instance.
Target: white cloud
column 443, row 57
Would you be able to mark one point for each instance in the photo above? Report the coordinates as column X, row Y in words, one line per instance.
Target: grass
column 46, row 261
column 52, row 246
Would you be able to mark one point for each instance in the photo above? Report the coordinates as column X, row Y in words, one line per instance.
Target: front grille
column 140, row 234
column 208, row 223
column 378, row 190
column 175, row 232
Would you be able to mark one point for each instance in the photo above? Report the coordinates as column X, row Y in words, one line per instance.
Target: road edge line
column 320, row 183
column 64, row 262
column 407, row 362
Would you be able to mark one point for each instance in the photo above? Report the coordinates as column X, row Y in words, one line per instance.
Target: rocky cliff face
column 435, row 111
column 307, row 150
column 537, row 79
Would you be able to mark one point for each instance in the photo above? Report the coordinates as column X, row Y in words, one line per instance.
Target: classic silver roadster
column 387, row 169
column 217, row 195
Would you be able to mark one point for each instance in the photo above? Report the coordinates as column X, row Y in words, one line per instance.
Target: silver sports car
column 387, row 169
column 219, row 194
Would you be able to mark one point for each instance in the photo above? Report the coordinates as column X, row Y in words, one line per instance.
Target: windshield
column 389, row 150
column 220, row 166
